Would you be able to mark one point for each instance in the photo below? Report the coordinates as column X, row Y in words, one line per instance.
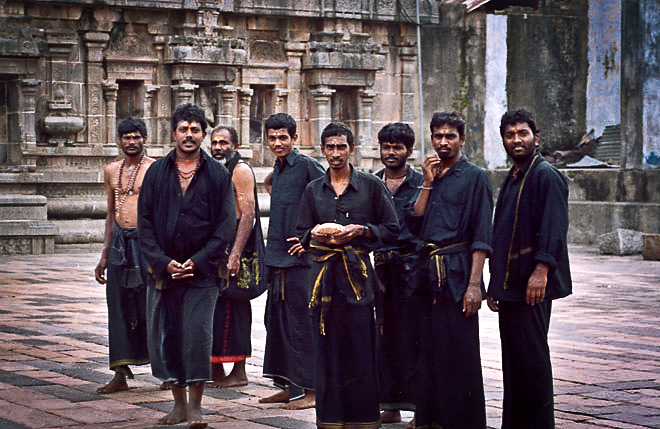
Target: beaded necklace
column 130, row 186
column 183, row 176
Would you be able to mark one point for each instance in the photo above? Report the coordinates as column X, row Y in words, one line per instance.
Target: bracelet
column 365, row 230
column 426, row 188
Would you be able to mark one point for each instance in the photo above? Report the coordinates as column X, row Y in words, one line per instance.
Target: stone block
column 620, row 242
column 651, row 247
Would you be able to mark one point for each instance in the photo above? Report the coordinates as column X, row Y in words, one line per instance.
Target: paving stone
column 16, row 379
column 68, row 393
column 284, row 422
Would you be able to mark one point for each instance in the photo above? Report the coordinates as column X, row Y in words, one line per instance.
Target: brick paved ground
column 53, row 353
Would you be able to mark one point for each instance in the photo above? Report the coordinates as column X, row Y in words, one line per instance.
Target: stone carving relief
column 205, row 50
column 327, row 50
column 59, row 124
column 125, row 43
column 266, row 51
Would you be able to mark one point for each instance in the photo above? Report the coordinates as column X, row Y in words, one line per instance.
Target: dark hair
column 130, row 125
column 189, row 112
column 453, row 119
column 397, row 132
column 233, row 134
column 514, row 116
column 334, row 129
column 281, row 120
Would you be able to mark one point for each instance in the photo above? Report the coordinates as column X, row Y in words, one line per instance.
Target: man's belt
column 436, row 266
column 392, row 255
column 354, row 266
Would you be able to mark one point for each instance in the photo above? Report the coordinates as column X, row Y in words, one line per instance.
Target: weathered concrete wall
column 547, row 68
column 602, row 200
column 640, row 83
column 454, row 73
column 494, row 153
column 603, row 84
column 445, row 80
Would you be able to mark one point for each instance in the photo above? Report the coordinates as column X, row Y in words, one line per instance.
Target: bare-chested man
column 232, row 322
column 125, row 284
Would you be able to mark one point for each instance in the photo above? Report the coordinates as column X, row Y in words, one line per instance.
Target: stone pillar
column 27, row 121
column 640, row 83
column 281, row 96
column 226, row 102
column 183, row 93
column 294, row 53
column 366, row 147
column 320, row 114
column 149, row 92
column 244, row 99
column 408, row 57
column 94, row 43
column 110, row 95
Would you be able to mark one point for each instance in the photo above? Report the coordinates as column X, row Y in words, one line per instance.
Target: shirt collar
column 525, row 166
column 457, row 168
column 290, row 159
column 352, row 181
column 409, row 175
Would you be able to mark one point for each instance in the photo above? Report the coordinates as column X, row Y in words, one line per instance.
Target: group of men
column 357, row 341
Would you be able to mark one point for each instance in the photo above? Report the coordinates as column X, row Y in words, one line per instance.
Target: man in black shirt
column 288, row 356
column 344, row 281
column 186, row 222
column 398, row 350
column 452, row 217
column 529, row 268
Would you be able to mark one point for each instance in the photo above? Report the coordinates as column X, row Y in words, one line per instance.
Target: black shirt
column 459, row 210
column 199, row 225
column 403, row 195
column 365, row 201
column 540, row 219
column 289, row 181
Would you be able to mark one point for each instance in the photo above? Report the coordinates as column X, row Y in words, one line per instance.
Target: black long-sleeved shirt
column 459, row 210
column 365, row 201
column 290, row 178
column 402, row 196
column 199, row 225
column 530, row 226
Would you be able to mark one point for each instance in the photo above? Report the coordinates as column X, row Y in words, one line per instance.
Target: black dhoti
column 126, row 297
column 453, row 392
column 288, row 358
column 180, row 326
column 400, row 334
column 232, row 324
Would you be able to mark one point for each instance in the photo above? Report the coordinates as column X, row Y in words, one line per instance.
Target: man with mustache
column 186, row 222
column 344, row 284
column 232, row 321
column 400, row 322
column 529, row 268
column 452, row 218
column 121, row 255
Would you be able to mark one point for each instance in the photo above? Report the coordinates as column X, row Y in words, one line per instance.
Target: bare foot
column 229, row 381
column 307, row 401
column 177, row 415
column 117, row 384
column 165, row 385
column 195, row 419
column 281, row 396
column 390, row 416
column 411, row 425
